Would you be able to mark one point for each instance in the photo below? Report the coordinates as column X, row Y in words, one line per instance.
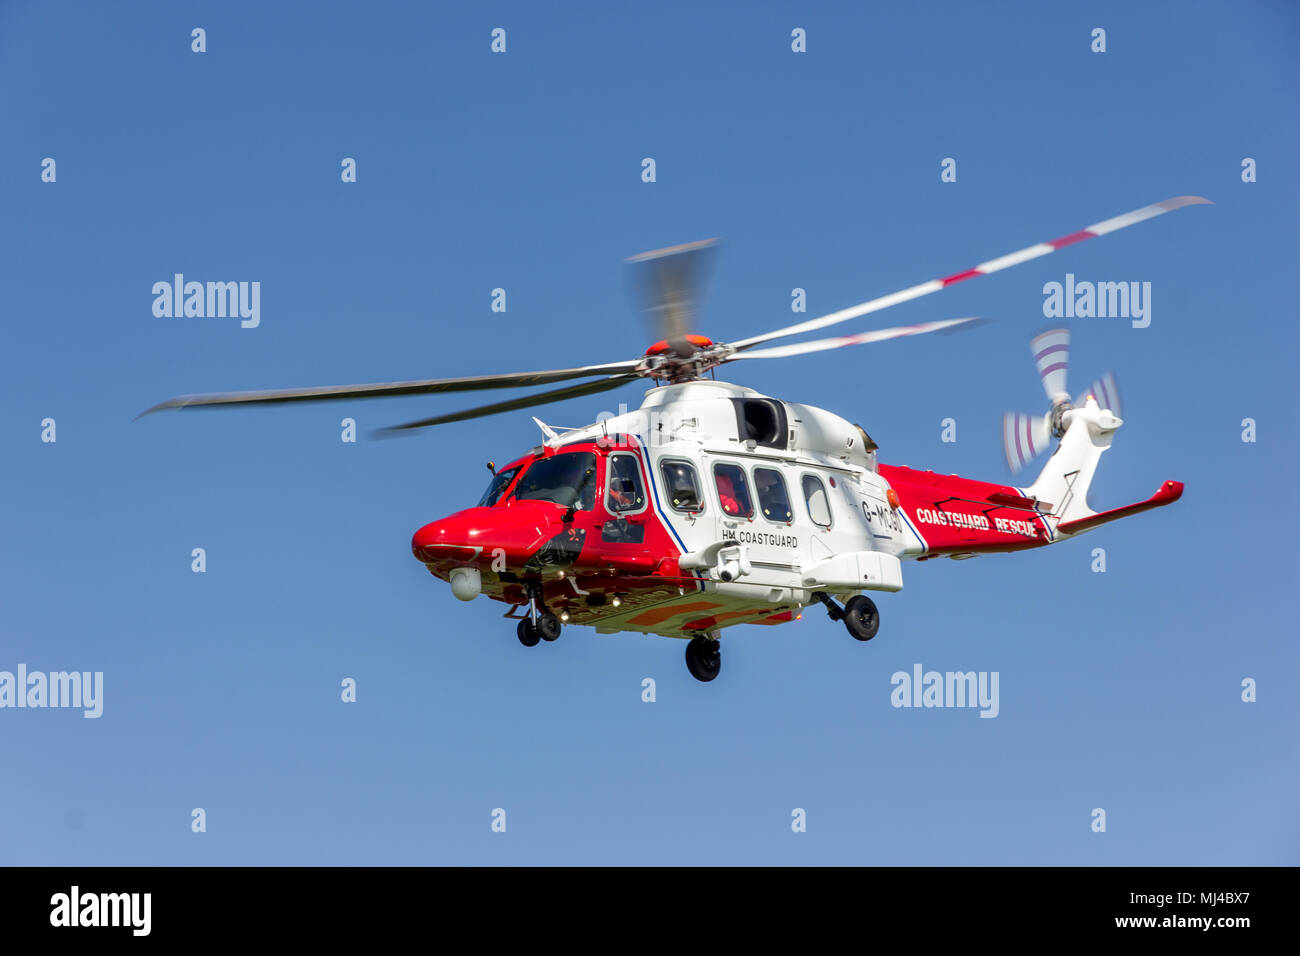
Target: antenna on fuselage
column 547, row 431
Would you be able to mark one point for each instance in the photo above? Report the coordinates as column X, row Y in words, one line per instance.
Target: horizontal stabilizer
column 1169, row 492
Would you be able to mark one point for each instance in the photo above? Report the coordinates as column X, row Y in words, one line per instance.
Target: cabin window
column 682, row 486
column 563, row 479
column 625, row 492
column 819, row 506
column 772, row 497
column 733, row 491
column 497, row 487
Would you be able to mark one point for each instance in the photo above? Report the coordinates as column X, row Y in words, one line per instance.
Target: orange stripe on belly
column 658, row 615
column 707, row 623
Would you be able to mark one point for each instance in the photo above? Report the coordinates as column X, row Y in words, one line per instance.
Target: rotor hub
column 683, row 359
column 687, row 344
column 1058, row 417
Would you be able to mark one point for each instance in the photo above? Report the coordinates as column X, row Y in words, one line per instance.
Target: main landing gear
column 540, row 624
column 859, row 614
column 703, row 657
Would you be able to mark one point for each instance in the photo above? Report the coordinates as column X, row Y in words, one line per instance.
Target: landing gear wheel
column 861, row 617
column 528, row 635
column 548, row 626
column 703, row 658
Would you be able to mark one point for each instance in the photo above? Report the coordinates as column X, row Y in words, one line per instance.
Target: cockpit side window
column 563, row 479
column 497, row 487
column 626, row 493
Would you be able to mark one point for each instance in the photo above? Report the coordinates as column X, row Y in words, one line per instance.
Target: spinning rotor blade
column 526, row 401
column 1051, row 351
column 861, row 338
column 1024, row 437
column 984, row 268
column 384, row 389
column 1106, row 391
column 670, row 284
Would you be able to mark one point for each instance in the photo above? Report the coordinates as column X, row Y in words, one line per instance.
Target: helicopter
column 713, row 505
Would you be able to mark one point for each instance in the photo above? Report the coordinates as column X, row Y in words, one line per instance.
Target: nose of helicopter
column 513, row 533
column 445, row 538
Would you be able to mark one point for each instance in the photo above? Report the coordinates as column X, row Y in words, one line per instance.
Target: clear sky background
column 1119, row 690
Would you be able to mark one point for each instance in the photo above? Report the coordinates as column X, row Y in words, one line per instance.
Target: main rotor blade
column 525, row 401
column 385, row 389
column 861, row 338
column 984, row 268
column 671, row 281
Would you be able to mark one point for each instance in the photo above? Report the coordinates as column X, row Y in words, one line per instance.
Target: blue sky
column 820, row 170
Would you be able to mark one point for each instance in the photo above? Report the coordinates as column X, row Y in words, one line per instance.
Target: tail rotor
column 1052, row 356
column 1106, row 393
column 1025, row 437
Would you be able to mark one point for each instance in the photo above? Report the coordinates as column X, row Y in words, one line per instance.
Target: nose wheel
column 703, row 658
column 548, row 626
column 540, row 624
column 528, row 635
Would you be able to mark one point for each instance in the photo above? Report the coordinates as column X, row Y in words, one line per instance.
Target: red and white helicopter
column 713, row 505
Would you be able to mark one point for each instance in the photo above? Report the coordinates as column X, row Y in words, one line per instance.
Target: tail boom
column 962, row 517
column 951, row 515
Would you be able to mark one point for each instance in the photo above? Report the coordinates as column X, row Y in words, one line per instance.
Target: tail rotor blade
column 1106, row 391
column 1024, row 437
column 1052, row 355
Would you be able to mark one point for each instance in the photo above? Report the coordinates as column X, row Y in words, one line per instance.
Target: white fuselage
column 838, row 534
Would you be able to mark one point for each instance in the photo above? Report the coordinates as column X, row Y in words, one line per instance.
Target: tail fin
column 1067, row 475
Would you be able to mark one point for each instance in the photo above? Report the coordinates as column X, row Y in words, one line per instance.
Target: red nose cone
column 459, row 537
column 481, row 535
column 438, row 540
